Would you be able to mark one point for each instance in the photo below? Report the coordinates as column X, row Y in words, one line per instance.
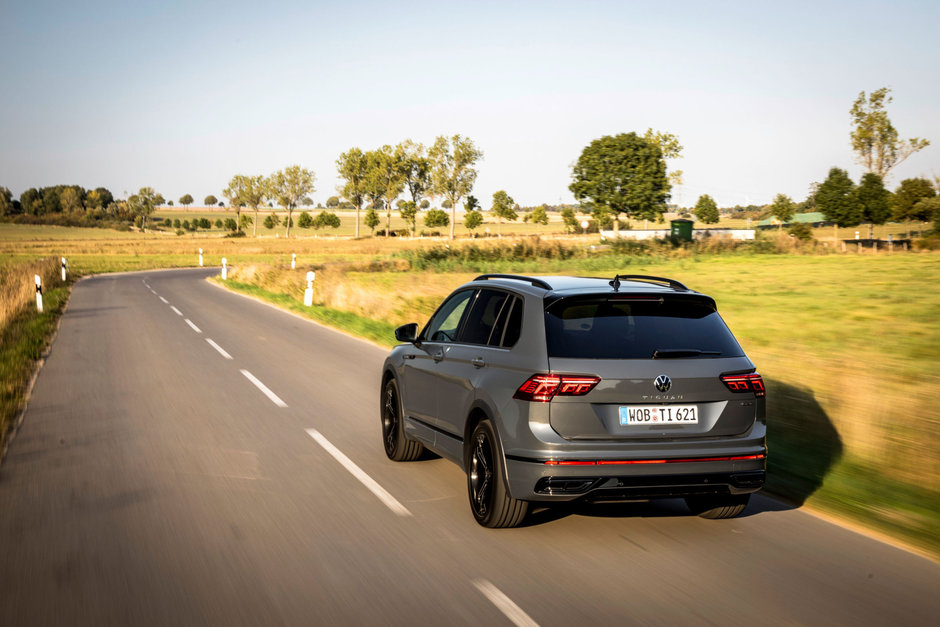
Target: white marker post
column 200, row 257
column 584, row 225
column 308, row 293
column 65, row 267
column 293, row 261
column 38, row 280
column 224, row 268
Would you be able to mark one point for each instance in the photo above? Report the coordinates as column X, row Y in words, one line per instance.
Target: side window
column 482, row 317
column 513, row 324
column 446, row 320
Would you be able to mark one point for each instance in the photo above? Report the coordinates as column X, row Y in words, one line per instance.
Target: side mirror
column 407, row 332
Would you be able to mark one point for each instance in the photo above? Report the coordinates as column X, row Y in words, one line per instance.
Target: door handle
column 409, row 356
column 438, row 356
column 477, row 362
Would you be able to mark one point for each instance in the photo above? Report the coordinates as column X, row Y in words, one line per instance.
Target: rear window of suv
column 619, row 328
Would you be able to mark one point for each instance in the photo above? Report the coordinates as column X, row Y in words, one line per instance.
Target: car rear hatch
column 667, row 368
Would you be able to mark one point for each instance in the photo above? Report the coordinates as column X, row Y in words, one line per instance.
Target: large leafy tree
column 539, row 215
column 502, row 208
column 288, row 187
column 72, row 198
column 706, row 209
column 142, row 205
column 453, row 173
column 210, row 200
column 254, row 193
column 385, row 178
column 472, row 219
column 623, row 174
column 235, row 192
column 782, row 208
column 352, row 167
column 6, row 202
column 875, row 201
column 874, row 139
column 906, row 197
column 837, row 200
column 186, row 200
column 416, row 170
column 409, row 213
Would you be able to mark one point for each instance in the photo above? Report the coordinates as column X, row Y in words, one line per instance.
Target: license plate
column 658, row 415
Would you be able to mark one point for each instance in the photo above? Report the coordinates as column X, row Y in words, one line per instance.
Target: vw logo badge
column 662, row 383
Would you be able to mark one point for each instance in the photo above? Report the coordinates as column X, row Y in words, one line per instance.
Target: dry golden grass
column 17, row 287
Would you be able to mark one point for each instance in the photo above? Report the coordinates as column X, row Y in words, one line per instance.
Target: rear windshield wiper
column 675, row 353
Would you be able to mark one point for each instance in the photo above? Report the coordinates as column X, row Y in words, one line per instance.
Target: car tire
column 486, row 482
column 715, row 507
column 397, row 445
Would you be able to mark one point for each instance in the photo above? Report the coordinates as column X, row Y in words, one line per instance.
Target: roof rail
column 676, row 285
column 516, row 277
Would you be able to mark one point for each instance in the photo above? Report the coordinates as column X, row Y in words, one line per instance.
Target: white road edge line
column 264, row 389
column 504, row 604
column 165, row 301
column 371, row 484
column 192, row 326
column 178, row 312
column 218, row 348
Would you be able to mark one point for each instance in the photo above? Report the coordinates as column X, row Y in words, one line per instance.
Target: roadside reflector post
column 65, row 267
column 293, row 261
column 38, row 280
column 224, row 268
column 200, row 257
column 308, row 293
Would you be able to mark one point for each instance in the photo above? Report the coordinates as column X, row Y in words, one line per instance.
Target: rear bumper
column 533, row 480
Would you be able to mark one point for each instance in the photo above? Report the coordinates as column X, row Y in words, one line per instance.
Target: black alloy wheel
column 486, row 482
column 397, row 446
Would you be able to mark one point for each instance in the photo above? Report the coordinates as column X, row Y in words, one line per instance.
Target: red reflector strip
column 624, row 462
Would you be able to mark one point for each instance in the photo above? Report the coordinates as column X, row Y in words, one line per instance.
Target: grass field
column 849, row 343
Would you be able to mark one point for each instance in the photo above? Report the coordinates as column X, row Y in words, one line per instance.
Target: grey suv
column 551, row 389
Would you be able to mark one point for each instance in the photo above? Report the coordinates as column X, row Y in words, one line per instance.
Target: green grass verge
column 22, row 343
column 377, row 331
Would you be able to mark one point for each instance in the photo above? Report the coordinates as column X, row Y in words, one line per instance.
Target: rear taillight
column 544, row 387
column 744, row 383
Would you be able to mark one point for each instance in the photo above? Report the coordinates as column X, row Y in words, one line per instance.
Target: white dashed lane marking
column 381, row 493
column 165, row 301
column 178, row 312
column 193, row 326
column 264, row 389
column 218, row 348
column 505, row 605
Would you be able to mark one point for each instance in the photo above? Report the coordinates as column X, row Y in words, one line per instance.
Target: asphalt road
column 155, row 482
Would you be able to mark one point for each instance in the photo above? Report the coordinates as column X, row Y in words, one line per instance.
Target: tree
column 471, row 204
column 289, row 186
column 447, row 204
column 332, row 202
column 142, row 205
column 372, row 219
column 875, row 201
column 874, row 138
column 304, row 220
column 6, row 202
column 230, row 224
column 671, row 149
column 186, row 200
column 569, row 219
column 271, row 221
column 539, row 215
column 425, row 205
column 502, row 208
column 906, row 197
column 472, row 219
column 782, row 208
column 71, row 199
column 416, row 170
column 218, row 223
column 436, row 217
column 624, row 174
column 210, row 200
column 836, row 199
column 409, row 213
column 235, row 192
column 452, row 172
column 385, row 178
column 326, row 218
column 352, row 166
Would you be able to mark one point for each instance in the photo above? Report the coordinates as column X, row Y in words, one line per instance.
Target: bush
column 218, row 224
column 436, row 217
column 235, row 234
column 176, row 224
column 168, row 222
column 187, row 226
column 801, row 230
column 304, row 220
column 230, row 224
column 204, row 223
column 326, row 218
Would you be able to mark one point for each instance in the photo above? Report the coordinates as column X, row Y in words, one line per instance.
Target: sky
column 181, row 96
